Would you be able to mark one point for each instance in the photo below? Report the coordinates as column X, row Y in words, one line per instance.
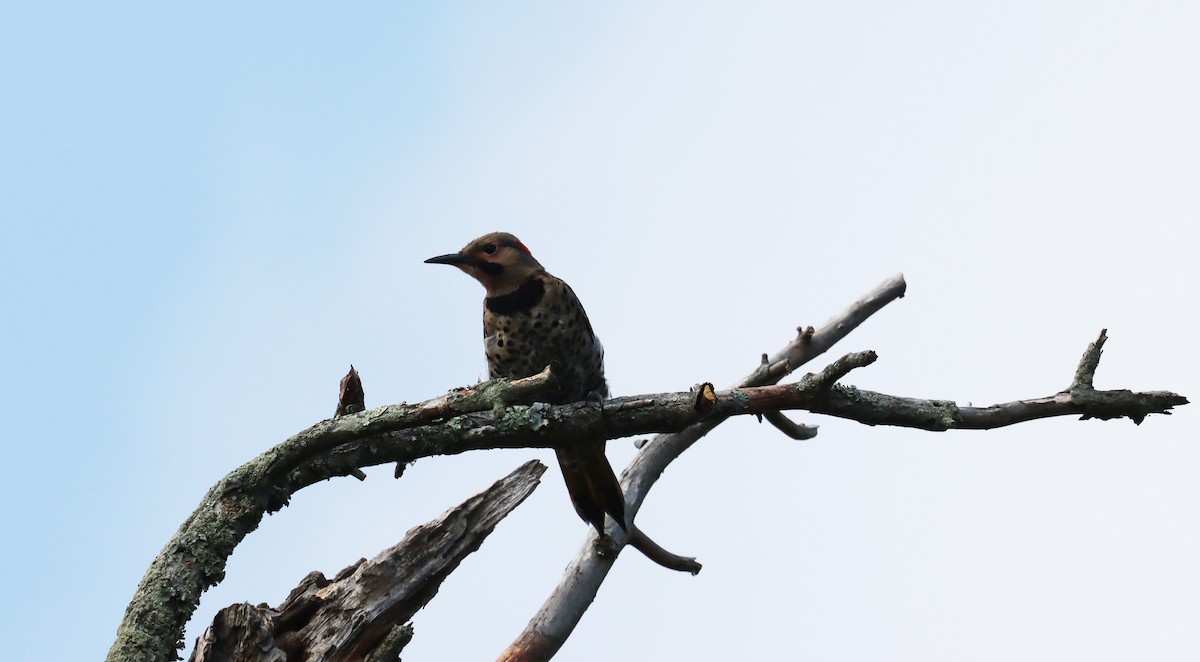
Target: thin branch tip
column 492, row 415
column 842, row 367
column 1085, row 374
column 553, row 623
column 791, row 429
column 653, row 551
column 351, row 399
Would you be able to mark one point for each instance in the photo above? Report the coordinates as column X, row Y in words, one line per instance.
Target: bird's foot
column 605, row 546
column 596, row 398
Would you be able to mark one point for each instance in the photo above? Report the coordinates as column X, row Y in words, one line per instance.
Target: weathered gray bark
column 194, row 559
column 560, row 613
column 485, row 417
column 353, row 616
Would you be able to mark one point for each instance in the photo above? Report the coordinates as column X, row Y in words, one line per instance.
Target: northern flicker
column 531, row 319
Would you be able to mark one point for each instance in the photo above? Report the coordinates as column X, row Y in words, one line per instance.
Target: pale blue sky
column 210, row 212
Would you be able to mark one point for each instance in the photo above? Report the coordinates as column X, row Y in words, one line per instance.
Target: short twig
column 790, row 428
column 641, row 542
column 1085, row 374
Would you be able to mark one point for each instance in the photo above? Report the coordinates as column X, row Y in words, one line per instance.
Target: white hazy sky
column 209, row 212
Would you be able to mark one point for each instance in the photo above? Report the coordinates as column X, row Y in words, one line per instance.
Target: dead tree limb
column 560, row 613
column 363, row 610
column 480, row 418
column 194, row 558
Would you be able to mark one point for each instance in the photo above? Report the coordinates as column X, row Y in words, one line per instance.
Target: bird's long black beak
column 454, row 259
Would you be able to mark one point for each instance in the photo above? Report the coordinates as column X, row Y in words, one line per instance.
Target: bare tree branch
column 351, row 398
column 479, row 418
column 561, row 612
column 559, row 615
column 653, row 551
column 194, row 559
column 360, row 613
column 1085, row 374
column 789, row 427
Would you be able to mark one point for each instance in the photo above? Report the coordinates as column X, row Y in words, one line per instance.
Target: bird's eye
column 490, row 249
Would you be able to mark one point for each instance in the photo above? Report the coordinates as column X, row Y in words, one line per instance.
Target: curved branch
column 477, row 418
column 559, row 615
column 793, row 430
column 653, row 551
column 194, row 559
column 357, row 614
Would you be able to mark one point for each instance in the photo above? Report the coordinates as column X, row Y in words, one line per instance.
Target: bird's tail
column 592, row 484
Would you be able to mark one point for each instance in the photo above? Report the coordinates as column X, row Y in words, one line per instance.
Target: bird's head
column 499, row 261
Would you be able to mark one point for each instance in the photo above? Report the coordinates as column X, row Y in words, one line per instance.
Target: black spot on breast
column 520, row 300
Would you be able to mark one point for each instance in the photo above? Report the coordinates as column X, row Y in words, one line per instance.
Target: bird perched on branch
column 531, row 319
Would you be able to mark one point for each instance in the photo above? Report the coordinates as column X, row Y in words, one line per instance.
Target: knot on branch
column 706, row 397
